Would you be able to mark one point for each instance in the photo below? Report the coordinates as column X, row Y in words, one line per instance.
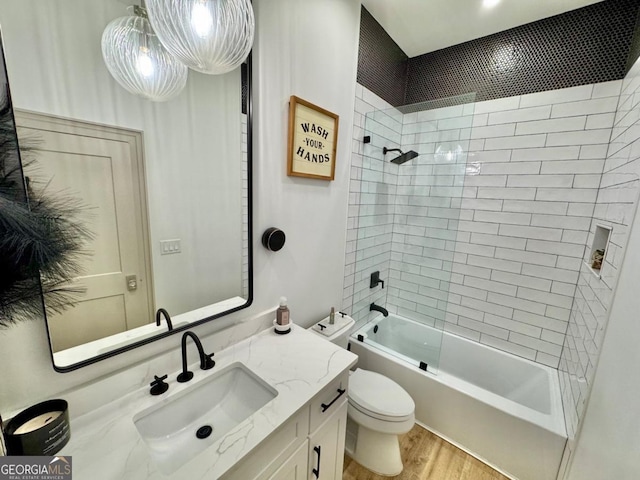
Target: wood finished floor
column 428, row 457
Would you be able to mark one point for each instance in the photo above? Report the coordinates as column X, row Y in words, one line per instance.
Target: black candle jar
column 42, row 429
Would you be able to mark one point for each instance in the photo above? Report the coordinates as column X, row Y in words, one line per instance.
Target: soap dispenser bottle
column 282, row 314
column 282, row 323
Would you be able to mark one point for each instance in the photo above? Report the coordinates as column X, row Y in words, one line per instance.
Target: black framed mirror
column 164, row 188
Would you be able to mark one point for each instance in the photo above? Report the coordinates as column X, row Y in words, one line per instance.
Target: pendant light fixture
column 137, row 60
column 209, row 36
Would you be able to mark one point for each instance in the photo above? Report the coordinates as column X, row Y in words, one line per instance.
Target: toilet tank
column 337, row 333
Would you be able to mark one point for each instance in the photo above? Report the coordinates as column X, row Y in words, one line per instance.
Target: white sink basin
column 221, row 401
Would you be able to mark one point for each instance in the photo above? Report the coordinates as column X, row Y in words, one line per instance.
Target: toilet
column 378, row 410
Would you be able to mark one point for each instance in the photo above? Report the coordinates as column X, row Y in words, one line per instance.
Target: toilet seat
column 379, row 397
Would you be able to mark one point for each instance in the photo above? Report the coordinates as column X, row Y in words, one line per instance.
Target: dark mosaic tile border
column 382, row 65
column 634, row 51
column 594, row 44
column 588, row 45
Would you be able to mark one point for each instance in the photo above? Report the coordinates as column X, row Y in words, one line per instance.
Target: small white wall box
column 599, row 248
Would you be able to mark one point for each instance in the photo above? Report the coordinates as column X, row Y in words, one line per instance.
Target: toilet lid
column 379, row 394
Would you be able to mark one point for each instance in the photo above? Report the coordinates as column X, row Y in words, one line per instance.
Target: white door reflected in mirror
column 101, row 173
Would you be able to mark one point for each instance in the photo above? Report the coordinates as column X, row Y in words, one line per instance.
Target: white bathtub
column 503, row 409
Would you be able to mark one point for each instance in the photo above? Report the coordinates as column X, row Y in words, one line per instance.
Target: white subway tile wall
column 516, row 163
column 614, row 207
column 487, row 233
column 245, row 209
column 372, row 194
column 524, row 218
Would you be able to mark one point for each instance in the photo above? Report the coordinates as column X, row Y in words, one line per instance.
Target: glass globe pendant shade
column 137, row 60
column 209, row 36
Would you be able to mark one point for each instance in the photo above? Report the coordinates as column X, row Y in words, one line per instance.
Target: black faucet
column 378, row 308
column 206, row 362
column 375, row 280
column 163, row 312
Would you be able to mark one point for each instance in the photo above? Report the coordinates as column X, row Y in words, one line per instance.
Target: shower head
column 403, row 157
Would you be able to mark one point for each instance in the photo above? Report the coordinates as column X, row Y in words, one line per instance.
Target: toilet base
column 378, row 452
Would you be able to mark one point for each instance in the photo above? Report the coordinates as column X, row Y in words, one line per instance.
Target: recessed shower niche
column 599, row 248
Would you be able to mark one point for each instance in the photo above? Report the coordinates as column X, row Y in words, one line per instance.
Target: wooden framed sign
column 313, row 136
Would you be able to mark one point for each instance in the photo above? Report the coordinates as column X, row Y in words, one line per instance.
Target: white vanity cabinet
column 309, row 446
column 295, row 467
column 326, row 446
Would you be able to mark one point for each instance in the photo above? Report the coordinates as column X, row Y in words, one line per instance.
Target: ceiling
column 422, row 26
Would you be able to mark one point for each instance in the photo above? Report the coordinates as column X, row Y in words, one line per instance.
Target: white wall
column 307, row 48
column 614, row 208
column 608, row 444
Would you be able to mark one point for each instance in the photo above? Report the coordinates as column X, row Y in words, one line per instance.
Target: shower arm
column 385, row 150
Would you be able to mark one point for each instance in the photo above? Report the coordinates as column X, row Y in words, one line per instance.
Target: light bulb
column 201, row 20
column 209, row 36
column 144, row 63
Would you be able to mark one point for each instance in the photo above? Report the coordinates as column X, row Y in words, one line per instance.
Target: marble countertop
column 106, row 445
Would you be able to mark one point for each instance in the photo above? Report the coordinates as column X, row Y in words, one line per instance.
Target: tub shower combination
column 501, row 408
column 504, row 409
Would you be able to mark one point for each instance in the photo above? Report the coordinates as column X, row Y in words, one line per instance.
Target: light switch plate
column 168, row 247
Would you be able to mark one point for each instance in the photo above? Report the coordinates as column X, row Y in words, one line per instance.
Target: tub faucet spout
column 378, row 308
